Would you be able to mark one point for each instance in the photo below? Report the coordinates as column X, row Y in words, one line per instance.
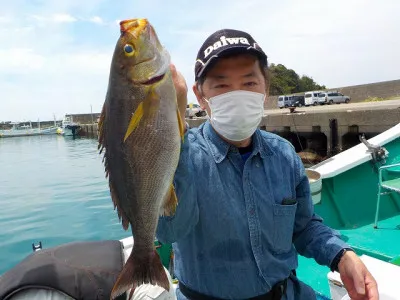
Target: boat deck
column 382, row 243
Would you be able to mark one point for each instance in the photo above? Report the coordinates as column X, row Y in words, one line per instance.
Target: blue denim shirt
column 240, row 224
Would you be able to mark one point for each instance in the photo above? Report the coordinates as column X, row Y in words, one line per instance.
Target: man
column 245, row 209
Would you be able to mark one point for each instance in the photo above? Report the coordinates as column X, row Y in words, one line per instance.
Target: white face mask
column 236, row 115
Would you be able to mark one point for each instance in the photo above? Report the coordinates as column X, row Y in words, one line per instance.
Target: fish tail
column 140, row 269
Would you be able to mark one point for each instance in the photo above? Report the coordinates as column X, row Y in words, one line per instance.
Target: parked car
column 311, row 98
column 332, row 97
column 298, row 101
column 284, row 101
column 290, row 101
column 196, row 110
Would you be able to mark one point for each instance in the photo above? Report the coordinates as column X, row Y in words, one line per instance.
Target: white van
column 284, row 101
column 311, row 98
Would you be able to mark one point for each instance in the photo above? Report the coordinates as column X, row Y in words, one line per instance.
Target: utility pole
column 91, row 112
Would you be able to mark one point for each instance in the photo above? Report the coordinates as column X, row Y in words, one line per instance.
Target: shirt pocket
column 284, row 217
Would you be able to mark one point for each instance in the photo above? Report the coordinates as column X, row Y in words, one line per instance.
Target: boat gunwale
column 354, row 156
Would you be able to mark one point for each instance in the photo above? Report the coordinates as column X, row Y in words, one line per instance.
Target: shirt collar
column 220, row 148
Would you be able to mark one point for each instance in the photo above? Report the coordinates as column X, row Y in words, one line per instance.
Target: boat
column 68, row 127
column 385, row 273
column 357, row 192
column 20, row 129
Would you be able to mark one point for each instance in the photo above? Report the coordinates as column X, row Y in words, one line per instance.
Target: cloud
column 55, row 55
column 7, row 32
column 53, row 18
column 65, row 83
column 97, row 20
column 20, row 61
column 5, row 19
column 62, row 18
column 337, row 43
column 47, row 67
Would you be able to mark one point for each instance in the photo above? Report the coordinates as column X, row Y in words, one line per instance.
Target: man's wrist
column 335, row 262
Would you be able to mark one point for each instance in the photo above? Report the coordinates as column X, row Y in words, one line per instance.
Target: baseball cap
column 223, row 42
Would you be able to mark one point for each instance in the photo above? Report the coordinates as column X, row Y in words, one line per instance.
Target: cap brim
column 229, row 51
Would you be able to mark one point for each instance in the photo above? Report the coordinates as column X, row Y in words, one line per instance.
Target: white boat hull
column 27, row 132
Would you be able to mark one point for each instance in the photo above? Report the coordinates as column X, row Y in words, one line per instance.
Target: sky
column 55, row 55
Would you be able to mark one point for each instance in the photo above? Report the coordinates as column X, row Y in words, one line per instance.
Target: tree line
column 287, row 81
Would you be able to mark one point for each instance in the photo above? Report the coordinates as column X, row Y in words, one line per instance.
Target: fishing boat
column 20, row 129
column 356, row 192
column 68, row 127
column 385, row 273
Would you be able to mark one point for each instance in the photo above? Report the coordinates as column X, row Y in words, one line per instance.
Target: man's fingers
column 355, row 284
column 372, row 288
column 177, row 76
column 359, row 283
column 373, row 293
column 173, row 70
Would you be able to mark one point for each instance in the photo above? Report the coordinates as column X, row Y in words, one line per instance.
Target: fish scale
column 140, row 133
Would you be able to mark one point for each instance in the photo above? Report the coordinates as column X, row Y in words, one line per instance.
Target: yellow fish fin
column 171, row 201
column 151, row 104
column 137, row 116
column 146, row 109
column 181, row 125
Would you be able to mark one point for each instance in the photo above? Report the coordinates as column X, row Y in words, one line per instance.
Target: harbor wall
column 317, row 135
column 84, row 118
column 357, row 93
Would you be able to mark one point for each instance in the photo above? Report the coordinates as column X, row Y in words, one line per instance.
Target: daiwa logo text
column 223, row 41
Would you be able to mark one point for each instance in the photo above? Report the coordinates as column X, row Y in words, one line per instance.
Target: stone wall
column 85, row 118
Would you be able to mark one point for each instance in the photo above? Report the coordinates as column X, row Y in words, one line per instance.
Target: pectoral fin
column 171, row 201
column 137, row 116
column 146, row 110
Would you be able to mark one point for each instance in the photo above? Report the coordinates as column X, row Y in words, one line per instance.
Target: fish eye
column 129, row 50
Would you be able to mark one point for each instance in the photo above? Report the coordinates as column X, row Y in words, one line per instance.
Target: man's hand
column 358, row 281
column 181, row 90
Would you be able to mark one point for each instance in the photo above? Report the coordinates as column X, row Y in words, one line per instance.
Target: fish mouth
column 153, row 80
column 133, row 25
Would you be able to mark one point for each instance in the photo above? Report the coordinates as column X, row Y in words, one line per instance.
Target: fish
column 140, row 135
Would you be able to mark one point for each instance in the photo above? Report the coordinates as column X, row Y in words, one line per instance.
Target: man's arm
column 311, row 237
column 316, row 240
column 170, row 229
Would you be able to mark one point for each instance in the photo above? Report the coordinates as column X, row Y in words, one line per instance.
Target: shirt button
column 257, row 165
column 251, row 212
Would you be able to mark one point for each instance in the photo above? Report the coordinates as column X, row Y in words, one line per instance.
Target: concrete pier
column 90, row 130
column 329, row 129
column 348, row 123
column 322, row 130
